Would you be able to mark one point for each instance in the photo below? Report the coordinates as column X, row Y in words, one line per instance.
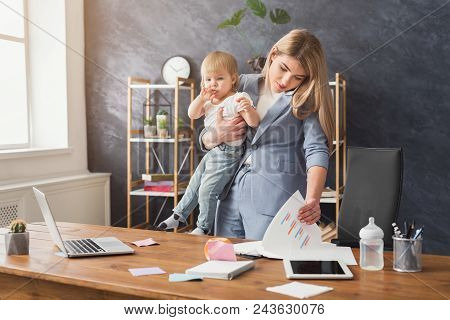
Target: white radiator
column 9, row 211
column 80, row 199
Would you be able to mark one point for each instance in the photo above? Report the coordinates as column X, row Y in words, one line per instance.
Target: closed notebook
column 225, row 270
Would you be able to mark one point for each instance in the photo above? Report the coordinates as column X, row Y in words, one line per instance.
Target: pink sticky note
column 218, row 250
column 146, row 242
column 146, row 271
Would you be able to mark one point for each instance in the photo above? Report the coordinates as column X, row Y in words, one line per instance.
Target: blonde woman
column 289, row 150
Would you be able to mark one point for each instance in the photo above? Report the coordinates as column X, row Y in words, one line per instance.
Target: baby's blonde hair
column 219, row 60
column 313, row 94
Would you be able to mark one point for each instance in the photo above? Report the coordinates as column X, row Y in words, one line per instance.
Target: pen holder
column 407, row 254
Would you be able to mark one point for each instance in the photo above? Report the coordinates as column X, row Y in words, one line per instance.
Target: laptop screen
column 49, row 220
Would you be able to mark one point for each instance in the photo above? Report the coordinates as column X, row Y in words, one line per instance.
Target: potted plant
column 149, row 127
column 17, row 241
column 184, row 131
column 161, row 124
column 259, row 10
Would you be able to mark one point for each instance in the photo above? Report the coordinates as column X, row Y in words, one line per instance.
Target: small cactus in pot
column 17, row 241
column 18, row 226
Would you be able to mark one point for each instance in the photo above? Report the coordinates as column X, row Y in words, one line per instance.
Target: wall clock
column 175, row 67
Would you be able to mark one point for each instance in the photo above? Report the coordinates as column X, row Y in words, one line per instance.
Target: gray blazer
column 283, row 148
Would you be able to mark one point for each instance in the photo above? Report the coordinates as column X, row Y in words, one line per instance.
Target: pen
column 418, row 233
column 410, row 229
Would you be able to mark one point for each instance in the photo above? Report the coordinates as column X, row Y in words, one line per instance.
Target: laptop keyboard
column 83, row 246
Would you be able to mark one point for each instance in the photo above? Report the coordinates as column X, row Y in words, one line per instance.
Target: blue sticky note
column 178, row 277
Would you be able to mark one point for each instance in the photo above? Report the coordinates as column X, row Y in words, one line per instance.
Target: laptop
column 79, row 247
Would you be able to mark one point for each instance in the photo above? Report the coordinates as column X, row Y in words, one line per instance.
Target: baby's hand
column 244, row 104
column 207, row 93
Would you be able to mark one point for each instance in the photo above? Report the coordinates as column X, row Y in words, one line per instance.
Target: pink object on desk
column 219, row 250
column 144, row 243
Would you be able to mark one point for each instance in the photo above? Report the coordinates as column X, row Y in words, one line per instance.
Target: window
column 14, row 111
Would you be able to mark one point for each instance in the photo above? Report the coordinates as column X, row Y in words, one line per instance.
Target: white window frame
column 23, row 40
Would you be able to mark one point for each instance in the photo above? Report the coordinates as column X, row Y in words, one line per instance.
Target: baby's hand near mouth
column 207, row 93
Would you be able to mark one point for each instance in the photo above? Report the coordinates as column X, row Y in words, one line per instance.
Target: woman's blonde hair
column 313, row 94
column 219, row 60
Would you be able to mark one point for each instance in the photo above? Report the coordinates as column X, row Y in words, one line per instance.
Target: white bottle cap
column 371, row 231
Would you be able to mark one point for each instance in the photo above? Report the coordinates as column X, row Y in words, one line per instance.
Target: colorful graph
column 286, row 236
column 295, row 228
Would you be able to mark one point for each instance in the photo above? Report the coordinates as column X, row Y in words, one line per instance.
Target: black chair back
column 373, row 189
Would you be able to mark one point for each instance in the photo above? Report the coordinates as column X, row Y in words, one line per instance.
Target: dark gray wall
column 399, row 89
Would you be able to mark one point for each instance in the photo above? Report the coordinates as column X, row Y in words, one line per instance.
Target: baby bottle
column 371, row 247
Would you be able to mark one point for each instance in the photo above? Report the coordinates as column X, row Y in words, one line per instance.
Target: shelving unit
column 339, row 153
column 136, row 137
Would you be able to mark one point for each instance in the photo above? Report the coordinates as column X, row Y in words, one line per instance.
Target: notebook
column 225, row 270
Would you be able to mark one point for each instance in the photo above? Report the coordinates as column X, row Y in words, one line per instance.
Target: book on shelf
column 182, row 180
column 330, row 193
column 328, row 231
column 157, row 177
column 326, row 228
column 165, row 187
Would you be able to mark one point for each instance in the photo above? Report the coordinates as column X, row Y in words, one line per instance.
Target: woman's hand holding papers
column 310, row 212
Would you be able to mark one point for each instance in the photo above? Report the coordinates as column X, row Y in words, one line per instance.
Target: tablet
column 307, row 269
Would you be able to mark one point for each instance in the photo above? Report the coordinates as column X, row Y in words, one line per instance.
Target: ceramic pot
column 149, row 131
column 17, row 243
column 162, row 133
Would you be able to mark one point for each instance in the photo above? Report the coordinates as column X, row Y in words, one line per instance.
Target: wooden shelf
column 333, row 83
column 141, row 192
column 329, row 199
column 167, row 163
column 160, row 140
column 339, row 152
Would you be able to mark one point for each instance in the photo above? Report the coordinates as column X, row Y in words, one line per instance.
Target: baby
column 219, row 84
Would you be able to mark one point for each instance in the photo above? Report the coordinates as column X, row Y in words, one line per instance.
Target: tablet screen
column 316, row 267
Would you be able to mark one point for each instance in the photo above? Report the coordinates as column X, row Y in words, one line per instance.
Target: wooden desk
column 42, row 275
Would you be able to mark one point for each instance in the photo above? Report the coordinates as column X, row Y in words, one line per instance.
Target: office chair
column 373, row 189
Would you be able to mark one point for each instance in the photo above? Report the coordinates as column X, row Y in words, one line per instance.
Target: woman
column 289, row 150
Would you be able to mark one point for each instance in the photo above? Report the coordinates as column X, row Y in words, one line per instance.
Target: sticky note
column 145, row 242
column 178, row 277
column 146, row 271
column 299, row 290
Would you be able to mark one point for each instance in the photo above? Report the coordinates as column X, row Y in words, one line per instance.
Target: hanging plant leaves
column 279, row 16
column 234, row 20
column 258, row 8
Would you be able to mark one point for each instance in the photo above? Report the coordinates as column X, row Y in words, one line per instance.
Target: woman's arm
column 225, row 131
column 317, row 158
column 316, row 177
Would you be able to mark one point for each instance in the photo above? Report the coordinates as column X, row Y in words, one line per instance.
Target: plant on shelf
column 184, row 131
column 162, row 123
column 259, row 11
column 149, row 127
column 17, row 240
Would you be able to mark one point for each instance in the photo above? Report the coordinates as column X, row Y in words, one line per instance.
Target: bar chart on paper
column 295, row 229
column 286, row 234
